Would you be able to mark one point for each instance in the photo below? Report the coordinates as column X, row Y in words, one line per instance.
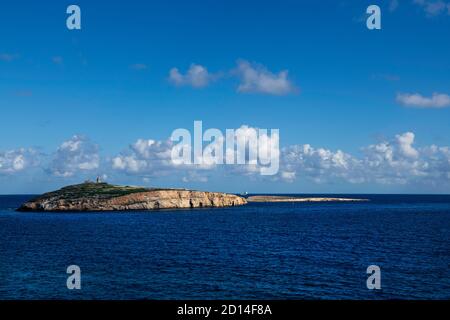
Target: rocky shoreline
column 106, row 197
column 300, row 199
column 92, row 196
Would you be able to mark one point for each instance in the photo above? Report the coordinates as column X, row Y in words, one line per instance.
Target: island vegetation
column 100, row 196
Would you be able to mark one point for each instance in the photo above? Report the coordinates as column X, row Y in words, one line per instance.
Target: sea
column 257, row 251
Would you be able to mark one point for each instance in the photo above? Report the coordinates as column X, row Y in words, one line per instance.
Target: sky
column 358, row 110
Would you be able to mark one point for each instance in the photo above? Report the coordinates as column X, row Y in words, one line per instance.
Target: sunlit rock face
column 105, row 197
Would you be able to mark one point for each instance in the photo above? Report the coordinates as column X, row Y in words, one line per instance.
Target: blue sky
column 106, row 86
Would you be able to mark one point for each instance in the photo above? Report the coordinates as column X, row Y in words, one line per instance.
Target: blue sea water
column 258, row 251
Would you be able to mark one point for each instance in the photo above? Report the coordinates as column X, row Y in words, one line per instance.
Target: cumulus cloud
column 405, row 143
column 193, row 176
column 76, row 155
column 197, row 76
column 255, row 78
column 437, row 100
column 317, row 164
column 15, row 161
column 145, row 157
column 396, row 161
column 257, row 149
column 151, row 158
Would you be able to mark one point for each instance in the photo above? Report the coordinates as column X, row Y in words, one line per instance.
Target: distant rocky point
column 91, row 196
column 299, row 199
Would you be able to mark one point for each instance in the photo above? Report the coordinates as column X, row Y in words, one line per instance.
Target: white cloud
column 288, row 176
column 319, row 165
column 388, row 162
column 397, row 161
column 405, row 142
column 145, row 157
column 437, row 100
column 151, row 158
column 193, row 176
column 197, row 76
column 77, row 155
column 15, row 161
column 256, row 78
column 265, row 149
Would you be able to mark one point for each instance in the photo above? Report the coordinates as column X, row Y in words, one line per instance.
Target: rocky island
column 92, row 196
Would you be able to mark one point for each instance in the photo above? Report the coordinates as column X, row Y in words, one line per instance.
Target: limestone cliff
column 106, row 197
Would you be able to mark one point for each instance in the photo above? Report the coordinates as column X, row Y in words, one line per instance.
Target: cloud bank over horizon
column 394, row 162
